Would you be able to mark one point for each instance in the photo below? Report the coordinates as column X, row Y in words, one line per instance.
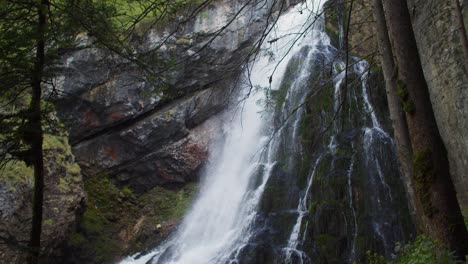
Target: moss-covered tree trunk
column 36, row 133
column 397, row 115
column 433, row 183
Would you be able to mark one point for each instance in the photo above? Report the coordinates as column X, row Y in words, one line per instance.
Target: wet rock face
column 141, row 125
column 441, row 55
column 345, row 165
column 159, row 149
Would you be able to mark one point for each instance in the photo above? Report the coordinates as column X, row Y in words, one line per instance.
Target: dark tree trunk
column 37, row 134
column 397, row 115
column 433, row 183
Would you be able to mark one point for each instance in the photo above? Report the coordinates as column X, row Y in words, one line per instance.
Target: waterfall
column 251, row 205
column 220, row 221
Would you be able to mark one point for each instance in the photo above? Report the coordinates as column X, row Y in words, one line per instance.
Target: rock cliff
column 441, row 55
column 63, row 203
column 144, row 131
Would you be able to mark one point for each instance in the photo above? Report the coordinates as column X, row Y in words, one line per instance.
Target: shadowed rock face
column 441, row 55
column 341, row 163
column 143, row 130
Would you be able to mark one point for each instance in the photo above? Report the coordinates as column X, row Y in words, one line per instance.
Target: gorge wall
column 141, row 135
column 442, row 59
column 141, row 141
column 441, row 54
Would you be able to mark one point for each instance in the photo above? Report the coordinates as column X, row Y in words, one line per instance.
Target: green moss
column 48, row 222
column 127, row 191
column 16, row 173
column 98, row 228
column 374, row 258
column 408, row 106
column 424, row 176
column 325, row 242
column 63, row 186
column 321, row 171
column 54, row 142
column 111, row 210
column 402, row 92
column 77, row 240
column 306, row 131
column 58, row 152
column 73, row 168
column 59, row 167
column 127, row 11
column 422, row 250
column 167, row 204
column 313, row 207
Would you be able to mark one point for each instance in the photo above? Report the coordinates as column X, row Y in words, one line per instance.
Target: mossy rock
column 117, row 222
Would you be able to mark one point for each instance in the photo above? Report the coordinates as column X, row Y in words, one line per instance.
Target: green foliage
column 57, row 153
column 48, row 222
column 98, row 223
column 374, row 258
column 77, row 239
column 402, row 92
column 111, row 210
column 127, row 191
column 423, row 251
column 128, row 12
column 16, row 172
column 18, row 39
column 168, row 204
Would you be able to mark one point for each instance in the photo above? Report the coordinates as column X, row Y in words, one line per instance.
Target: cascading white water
column 218, row 224
column 376, row 129
column 372, row 135
column 351, row 206
column 302, row 209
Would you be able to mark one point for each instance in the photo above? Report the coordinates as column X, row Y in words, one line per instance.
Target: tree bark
column 458, row 14
column 36, row 134
column 400, row 128
column 433, row 183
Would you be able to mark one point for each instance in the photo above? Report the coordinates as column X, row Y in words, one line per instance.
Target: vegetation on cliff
column 118, row 222
column 35, row 34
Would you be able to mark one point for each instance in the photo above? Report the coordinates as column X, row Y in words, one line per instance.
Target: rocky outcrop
column 133, row 121
column 140, row 124
column 159, row 149
column 441, row 55
column 341, row 163
column 64, row 201
column 361, row 38
column 442, row 59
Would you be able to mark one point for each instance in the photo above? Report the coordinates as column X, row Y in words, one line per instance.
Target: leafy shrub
column 423, row 251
